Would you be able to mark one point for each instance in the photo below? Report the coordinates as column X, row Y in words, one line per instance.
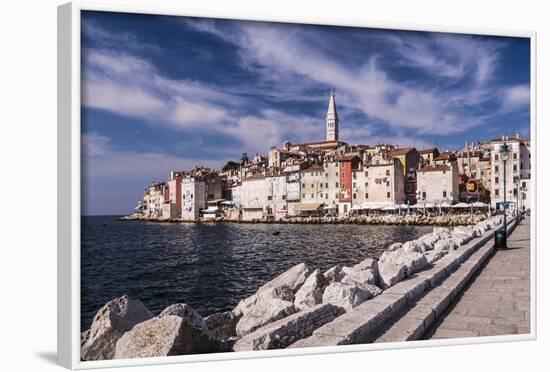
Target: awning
column 445, row 205
column 307, row 207
column 461, row 205
column 390, row 208
column 479, row 204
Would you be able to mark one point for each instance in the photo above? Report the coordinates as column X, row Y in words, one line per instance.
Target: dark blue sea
column 211, row 266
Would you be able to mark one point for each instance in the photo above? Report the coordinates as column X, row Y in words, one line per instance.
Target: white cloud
column 515, row 97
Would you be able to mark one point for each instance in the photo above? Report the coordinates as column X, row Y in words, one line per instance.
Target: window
column 388, row 183
column 496, row 168
column 321, row 184
column 336, row 184
column 366, row 195
column 366, row 173
column 336, row 174
column 515, row 192
column 496, row 192
column 313, row 173
column 444, row 193
column 336, row 196
column 524, row 185
column 366, row 184
column 343, row 186
column 496, row 180
column 515, row 155
column 312, row 196
column 387, row 172
column 355, row 185
column 515, row 167
column 388, row 194
column 303, row 196
column 355, row 196
column 284, row 197
column 303, row 185
column 423, row 194
column 326, row 185
column 343, row 175
column 326, row 165
column 311, row 185
column 326, row 196
column 496, row 156
column 270, row 197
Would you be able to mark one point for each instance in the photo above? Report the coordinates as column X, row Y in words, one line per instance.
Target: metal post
column 505, row 205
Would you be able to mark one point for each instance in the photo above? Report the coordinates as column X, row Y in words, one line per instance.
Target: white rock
column 368, row 263
column 111, row 321
column 222, row 325
column 264, row 311
column 185, row 311
column 348, row 296
column 284, row 332
column 394, row 247
column 445, row 245
column 360, row 277
column 283, row 292
column 433, row 256
column 311, row 292
column 334, row 274
column 163, row 336
column 417, row 246
column 395, row 266
column 293, row 278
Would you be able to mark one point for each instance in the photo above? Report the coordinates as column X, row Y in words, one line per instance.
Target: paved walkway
column 496, row 302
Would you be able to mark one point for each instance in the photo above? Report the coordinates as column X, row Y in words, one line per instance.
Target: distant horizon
column 164, row 92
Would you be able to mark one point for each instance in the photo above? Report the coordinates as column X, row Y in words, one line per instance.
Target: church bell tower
column 332, row 119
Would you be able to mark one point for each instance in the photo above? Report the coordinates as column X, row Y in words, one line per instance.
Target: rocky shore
column 389, row 219
column 282, row 312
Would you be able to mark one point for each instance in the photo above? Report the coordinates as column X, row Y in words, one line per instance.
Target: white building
column 254, row 193
column 518, row 169
column 438, row 183
column 193, row 194
column 382, row 183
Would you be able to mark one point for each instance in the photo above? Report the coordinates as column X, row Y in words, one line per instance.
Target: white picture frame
column 69, row 198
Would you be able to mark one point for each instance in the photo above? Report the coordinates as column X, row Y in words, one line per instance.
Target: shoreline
column 390, row 220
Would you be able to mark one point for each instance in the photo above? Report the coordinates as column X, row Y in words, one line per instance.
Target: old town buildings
column 335, row 178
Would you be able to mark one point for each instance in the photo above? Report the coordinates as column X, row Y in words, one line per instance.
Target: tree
column 230, row 165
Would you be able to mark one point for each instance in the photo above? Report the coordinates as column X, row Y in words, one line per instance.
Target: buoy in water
column 276, row 233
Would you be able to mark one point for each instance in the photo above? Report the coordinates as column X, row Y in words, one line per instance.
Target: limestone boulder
column 187, row 312
column 415, row 246
column 348, row 296
column 163, row 336
column 334, row 274
column 394, row 247
column 222, row 325
column 284, row 293
column 284, row 332
column 433, row 256
column 445, row 245
column 84, row 337
column 368, row 263
column 264, row 311
column 292, row 278
column 361, row 277
column 109, row 324
column 311, row 292
column 395, row 266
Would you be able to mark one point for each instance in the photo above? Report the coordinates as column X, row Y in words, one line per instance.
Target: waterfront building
column 193, row 193
column 277, row 205
column 343, row 187
column 409, row 157
column 153, row 199
column 172, row 203
column 518, row 168
column 427, row 156
column 293, row 190
column 254, row 193
column 438, row 183
column 383, row 182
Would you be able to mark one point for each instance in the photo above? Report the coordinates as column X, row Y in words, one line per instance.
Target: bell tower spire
column 332, row 119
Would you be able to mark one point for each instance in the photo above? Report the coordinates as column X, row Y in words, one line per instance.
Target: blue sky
column 161, row 93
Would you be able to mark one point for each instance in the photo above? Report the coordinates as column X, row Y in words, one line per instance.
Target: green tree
column 230, row 165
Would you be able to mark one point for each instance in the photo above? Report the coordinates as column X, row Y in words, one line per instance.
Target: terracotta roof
column 464, row 154
column 435, row 168
column 427, row 151
column 254, row 177
column 445, row 155
column 313, row 168
column 347, row 158
column 402, row 151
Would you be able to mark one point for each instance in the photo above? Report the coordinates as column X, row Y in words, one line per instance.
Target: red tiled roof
column 402, row 151
column 435, row 168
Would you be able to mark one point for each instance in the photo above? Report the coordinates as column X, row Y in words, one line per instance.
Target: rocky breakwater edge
column 285, row 312
column 390, row 219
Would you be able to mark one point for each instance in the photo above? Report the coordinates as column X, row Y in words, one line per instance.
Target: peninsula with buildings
column 333, row 180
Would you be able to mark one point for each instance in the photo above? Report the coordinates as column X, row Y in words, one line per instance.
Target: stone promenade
column 496, row 302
